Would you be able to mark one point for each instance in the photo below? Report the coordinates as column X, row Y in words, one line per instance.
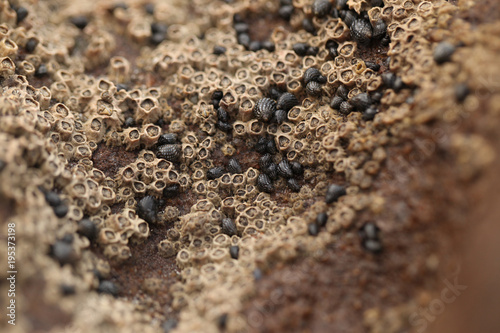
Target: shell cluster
column 176, row 126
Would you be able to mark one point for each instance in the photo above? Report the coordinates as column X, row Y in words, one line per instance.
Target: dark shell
column 377, row 96
column 108, row 287
column 346, row 108
column 234, row 166
column 361, row 101
column 443, row 52
column 287, row 101
column 332, row 47
column 254, row 46
column 244, row 39
column 300, row 48
column 372, row 245
column 271, row 147
column 312, row 50
column 61, row 210
column 241, row 28
column 264, row 183
column 285, row 169
column 342, row 91
column 308, row 26
column 281, row 116
column 234, row 251
column 285, row 12
column 222, row 115
column 170, row 152
column 461, row 92
column 348, row 17
column 63, row 252
column 313, row 229
column 272, row 171
column 313, row 88
column 398, row 84
column 261, row 145
column 361, row 31
column 369, row 113
column 336, row 101
column 157, row 38
column 293, row 184
column 388, row 78
column 228, row 227
column 147, row 208
column 215, row 173
column 334, row 192
column 379, row 29
column 171, row 191
column 225, row 127
column 321, row 219
column 88, row 229
column 265, row 161
column 297, row 168
column 313, row 75
column 79, row 21
column 341, row 4
column 52, row 198
column 218, row 94
column 218, row 50
column 373, row 66
column 268, row 45
column 167, row 138
column 31, row 44
column 369, row 230
column 264, row 109
column 158, row 28
column 321, row 8
column 274, row 93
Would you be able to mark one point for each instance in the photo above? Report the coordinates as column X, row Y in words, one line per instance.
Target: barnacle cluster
column 245, row 144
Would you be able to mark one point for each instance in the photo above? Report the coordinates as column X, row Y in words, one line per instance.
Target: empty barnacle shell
column 287, row 101
column 285, row 169
column 313, row 75
column 264, row 109
column 234, row 166
column 264, row 183
column 293, row 184
column 321, row 8
column 361, row 31
column 313, row 88
column 170, row 152
column 229, row 227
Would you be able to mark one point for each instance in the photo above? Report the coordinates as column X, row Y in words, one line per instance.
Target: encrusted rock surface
column 271, row 103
